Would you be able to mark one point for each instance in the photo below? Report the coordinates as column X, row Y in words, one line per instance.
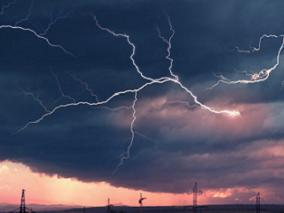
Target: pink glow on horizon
column 43, row 189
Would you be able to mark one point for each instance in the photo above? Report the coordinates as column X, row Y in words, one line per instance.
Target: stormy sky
column 176, row 141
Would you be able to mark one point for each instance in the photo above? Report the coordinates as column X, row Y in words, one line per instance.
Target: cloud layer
column 176, row 142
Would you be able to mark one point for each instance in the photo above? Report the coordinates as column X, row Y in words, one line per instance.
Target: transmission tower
column 108, row 205
column 195, row 192
column 23, row 203
column 257, row 203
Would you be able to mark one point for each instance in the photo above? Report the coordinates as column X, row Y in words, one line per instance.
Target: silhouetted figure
column 140, row 201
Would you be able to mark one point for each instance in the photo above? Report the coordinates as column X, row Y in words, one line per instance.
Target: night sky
column 176, row 142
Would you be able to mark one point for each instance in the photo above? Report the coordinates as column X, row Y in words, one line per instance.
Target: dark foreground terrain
column 179, row 209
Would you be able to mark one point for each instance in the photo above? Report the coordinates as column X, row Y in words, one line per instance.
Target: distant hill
column 158, row 209
column 180, row 209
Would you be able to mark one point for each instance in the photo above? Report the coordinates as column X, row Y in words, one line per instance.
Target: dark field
column 202, row 209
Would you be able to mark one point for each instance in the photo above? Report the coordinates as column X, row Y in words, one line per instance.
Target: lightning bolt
column 35, row 98
column 126, row 154
column 60, row 88
column 168, row 42
column 6, row 6
column 16, row 27
column 92, row 94
column 27, row 17
column 127, row 37
column 86, row 86
column 241, row 50
column 33, row 32
column 135, row 91
column 256, row 77
column 53, row 21
column 258, row 48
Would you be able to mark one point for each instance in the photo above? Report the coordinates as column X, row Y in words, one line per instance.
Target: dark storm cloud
column 174, row 143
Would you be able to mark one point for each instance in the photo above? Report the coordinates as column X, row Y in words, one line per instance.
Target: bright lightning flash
column 256, row 77
column 172, row 78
